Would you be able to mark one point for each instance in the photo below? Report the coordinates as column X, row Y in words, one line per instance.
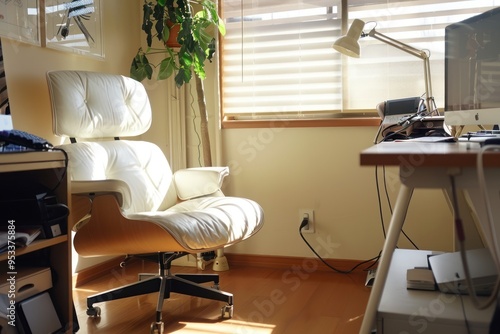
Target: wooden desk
column 429, row 165
column 420, row 154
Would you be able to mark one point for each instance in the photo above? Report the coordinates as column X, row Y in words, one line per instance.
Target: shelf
column 31, row 160
column 47, row 169
column 37, row 245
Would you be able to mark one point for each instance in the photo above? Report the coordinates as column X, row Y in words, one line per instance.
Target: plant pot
column 174, row 29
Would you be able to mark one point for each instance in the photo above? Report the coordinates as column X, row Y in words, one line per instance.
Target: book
column 21, row 236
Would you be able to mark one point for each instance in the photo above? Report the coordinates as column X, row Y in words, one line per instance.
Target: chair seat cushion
column 208, row 222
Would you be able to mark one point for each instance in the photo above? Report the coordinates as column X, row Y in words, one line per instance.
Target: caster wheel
column 94, row 311
column 227, row 311
column 216, row 286
column 156, row 328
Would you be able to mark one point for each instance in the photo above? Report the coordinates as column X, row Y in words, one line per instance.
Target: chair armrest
column 117, row 188
column 89, row 190
column 200, row 181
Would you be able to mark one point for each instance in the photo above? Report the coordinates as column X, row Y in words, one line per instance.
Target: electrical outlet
column 309, row 228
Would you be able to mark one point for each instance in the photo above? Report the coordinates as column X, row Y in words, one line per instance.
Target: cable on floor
column 303, row 224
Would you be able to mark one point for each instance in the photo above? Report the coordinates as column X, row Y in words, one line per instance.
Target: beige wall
column 26, row 65
column 283, row 169
column 286, row 170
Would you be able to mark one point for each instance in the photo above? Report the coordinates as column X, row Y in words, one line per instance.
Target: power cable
column 304, row 223
column 390, row 206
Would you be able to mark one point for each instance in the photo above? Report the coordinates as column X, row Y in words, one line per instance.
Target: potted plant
column 195, row 45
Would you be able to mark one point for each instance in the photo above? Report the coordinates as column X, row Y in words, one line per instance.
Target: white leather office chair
column 138, row 207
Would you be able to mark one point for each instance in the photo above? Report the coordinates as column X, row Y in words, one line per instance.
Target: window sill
column 333, row 120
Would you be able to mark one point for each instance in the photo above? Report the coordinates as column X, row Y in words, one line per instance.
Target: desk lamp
column 349, row 46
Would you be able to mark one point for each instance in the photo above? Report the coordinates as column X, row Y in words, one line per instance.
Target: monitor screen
column 472, row 67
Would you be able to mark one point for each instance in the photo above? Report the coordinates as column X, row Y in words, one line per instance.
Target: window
column 277, row 59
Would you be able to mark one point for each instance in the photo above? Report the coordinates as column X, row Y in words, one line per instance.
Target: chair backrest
column 97, row 105
column 92, row 106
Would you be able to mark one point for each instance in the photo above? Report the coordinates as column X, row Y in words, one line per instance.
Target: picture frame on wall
column 74, row 26
column 20, row 21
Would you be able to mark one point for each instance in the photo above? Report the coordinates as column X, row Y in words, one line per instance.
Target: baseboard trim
column 287, row 262
column 248, row 260
column 88, row 274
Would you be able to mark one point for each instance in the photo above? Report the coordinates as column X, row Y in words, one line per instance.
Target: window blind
column 277, row 57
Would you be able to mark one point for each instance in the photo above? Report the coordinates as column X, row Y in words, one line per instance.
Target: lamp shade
column 348, row 44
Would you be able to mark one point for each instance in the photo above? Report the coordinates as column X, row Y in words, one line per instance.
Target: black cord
column 65, row 171
column 416, row 118
column 464, row 313
column 375, row 259
column 303, row 224
column 457, row 218
column 397, row 132
column 381, row 213
column 390, row 206
column 387, row 191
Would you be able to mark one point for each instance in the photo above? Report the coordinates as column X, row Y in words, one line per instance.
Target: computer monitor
column 472, row 70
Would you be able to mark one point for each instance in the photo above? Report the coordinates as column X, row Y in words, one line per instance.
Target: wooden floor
column 265, row 301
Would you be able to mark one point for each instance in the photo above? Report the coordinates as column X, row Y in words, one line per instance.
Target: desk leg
column 397, row 220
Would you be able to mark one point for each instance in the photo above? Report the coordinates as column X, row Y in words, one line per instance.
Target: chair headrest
column 97, row 105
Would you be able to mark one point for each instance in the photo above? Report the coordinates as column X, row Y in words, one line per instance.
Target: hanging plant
column 196, row 39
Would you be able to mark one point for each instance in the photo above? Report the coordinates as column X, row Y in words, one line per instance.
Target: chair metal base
column 165, row 283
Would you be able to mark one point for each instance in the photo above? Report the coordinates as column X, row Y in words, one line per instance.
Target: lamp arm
column 399, row 45
column 429, row 99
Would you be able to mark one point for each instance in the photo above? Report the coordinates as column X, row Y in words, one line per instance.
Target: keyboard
column 480, row 135
column 17, row 140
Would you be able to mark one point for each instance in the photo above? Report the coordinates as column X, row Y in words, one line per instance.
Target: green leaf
column 202, row 15
column 211, row 50
column 222, row 28
column 185, row 59
column 158, row 12
column 146, row 17
column 186, row 38
column 183, row 76
column 140, row 68
column 200, row 55
column 149, row 36
column 214, row 16
column 147, row 24
column 203, row 37
column 160, row 29
column 199, row 63
column 179, row 79
column 167, row 68
column 210, row 6
column 199, row 70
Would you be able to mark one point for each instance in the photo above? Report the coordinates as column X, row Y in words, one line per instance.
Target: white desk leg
column 397, row 220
